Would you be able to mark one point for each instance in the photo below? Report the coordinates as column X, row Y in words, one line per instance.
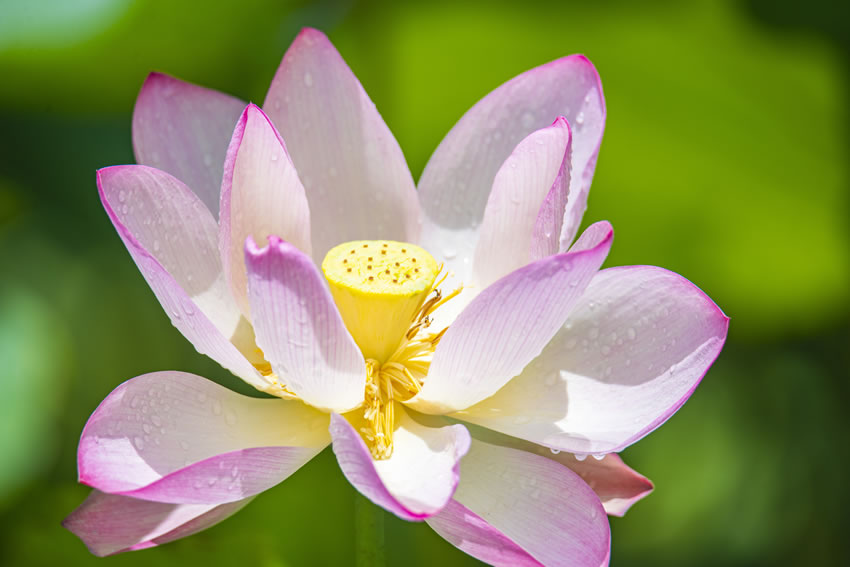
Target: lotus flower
column 423, row 332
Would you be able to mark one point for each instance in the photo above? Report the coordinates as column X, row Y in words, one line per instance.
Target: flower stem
column 368, row 533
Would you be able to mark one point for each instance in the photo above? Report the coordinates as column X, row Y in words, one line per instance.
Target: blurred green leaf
column 35, row 357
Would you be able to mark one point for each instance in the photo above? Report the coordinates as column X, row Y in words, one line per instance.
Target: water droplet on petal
column 580, row 457
column 308, row 79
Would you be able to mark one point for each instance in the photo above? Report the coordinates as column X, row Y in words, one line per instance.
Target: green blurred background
column 724, row 159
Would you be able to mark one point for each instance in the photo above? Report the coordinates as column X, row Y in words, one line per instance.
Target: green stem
column 368, row 533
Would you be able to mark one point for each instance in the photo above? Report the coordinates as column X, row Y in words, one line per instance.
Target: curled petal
column 516, row 508
column 183, row 129
column 357, row 181
column 179, row 438
column 261, row 196
column 506, row 326
column 110, row 523
column 419, row 478
column 300, row 329
column 630, row 354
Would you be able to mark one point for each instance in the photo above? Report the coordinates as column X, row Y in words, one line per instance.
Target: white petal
column 422, row 473
column 172, row 237
column 629, row 355
column 541, row 506
column 179, row 438
column 357, row 181
column 183, row 129
column 505, row 327
column 300, row 330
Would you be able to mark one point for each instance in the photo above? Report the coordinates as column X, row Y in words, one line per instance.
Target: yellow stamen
column 382, row 290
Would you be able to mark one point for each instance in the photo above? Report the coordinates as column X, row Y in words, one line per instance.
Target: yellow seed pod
column 378, row 287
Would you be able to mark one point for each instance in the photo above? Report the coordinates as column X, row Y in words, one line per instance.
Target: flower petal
column 422, row 473
column 261, row 196
column 470, row 533
column 172, row 238
column 184, row 129
column 357, row 181
column 616, row 484
column 179, row 438
column 455, row 185
column 505, row 327
column 109, row 523
column 537, row 167
column 629, row 355
column 300, row 330
column 537, row 505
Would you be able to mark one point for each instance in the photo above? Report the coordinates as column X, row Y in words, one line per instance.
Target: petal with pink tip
column 508, row 235
column 109, row 524
column 300, row 330
column 516, row 508
column 420, row 476
column 261, row 196
column 357, row 181
column 616, row 484
column 184, row 129
column 505, row 327
column 179, row 438
column 456, row 183
column 172, row 237
column 630, row 354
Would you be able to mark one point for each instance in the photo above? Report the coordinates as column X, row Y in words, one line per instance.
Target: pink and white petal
column 630, row 354
column 505, row 327
column 537, row 167
column 357, row 181
column 510, row 502
column 109, row 524
column 172, row 237
column 300, row 329
column 616, row 484
column 179, row 438
column 420, row 477
column 456, row 183
column 184, row 129
column 470, row 533
column 261, row 196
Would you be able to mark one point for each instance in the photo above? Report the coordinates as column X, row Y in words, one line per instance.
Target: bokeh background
column 724, row 159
